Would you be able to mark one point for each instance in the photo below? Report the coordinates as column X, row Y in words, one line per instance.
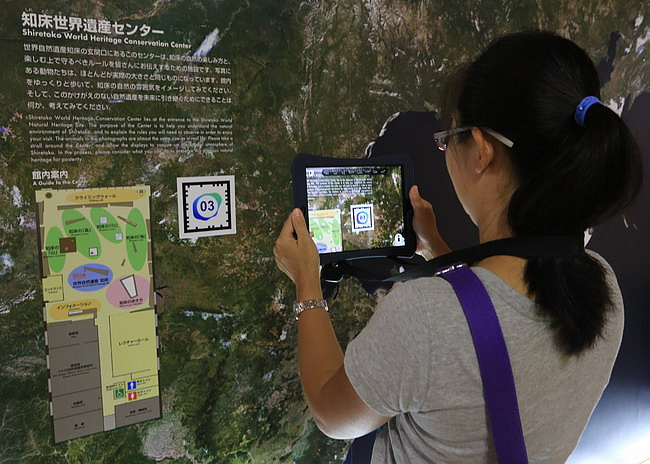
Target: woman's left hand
column 297, row 255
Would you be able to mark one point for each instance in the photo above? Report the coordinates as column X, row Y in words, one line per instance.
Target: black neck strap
column 522, row 247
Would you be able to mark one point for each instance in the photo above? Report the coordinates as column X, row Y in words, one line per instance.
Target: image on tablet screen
column 355, row 207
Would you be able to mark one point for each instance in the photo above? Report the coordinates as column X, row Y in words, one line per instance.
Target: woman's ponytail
column 572, row 175
column 573, row 295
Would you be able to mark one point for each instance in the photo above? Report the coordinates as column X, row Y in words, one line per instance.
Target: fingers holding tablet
column 294, row 251
column 429, row 242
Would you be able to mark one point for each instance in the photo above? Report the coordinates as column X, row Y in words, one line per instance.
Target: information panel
column 99, row 308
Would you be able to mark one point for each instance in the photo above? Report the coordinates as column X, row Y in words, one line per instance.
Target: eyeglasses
column 442, row 138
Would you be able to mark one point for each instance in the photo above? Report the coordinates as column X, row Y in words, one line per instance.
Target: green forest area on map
column 307, row 77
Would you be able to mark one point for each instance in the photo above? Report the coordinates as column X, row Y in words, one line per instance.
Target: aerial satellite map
column 189, row 344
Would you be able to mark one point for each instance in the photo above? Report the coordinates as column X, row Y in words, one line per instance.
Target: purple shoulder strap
column 498, row 382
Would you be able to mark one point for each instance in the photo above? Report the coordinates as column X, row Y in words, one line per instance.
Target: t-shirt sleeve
column 388, row 363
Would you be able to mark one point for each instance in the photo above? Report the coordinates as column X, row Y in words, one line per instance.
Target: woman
column 528, row 155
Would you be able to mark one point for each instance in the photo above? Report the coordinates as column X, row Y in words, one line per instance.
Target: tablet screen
column 355, row 207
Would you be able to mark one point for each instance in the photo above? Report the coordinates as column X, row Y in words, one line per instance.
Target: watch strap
column 302, row 306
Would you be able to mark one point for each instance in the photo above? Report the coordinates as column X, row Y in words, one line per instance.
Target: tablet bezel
column 303, row 161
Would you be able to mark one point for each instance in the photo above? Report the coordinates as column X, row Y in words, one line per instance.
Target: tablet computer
column 356, row 208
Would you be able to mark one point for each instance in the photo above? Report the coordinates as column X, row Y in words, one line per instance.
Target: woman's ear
column 484, row 153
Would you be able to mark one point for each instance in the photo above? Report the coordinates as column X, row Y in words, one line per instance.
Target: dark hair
column 526, row 86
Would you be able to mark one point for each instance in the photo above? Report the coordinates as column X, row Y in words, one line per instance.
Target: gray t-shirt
column 415, row 361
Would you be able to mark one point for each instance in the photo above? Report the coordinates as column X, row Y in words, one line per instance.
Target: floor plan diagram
column 99, row 308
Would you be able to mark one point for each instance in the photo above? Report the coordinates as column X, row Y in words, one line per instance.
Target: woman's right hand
column 429, row 242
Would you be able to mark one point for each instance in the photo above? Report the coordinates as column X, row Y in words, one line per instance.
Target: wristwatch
column 301, row 306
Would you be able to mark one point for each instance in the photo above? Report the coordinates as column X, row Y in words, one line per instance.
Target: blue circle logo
column 206, row 206
column 362, row 218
